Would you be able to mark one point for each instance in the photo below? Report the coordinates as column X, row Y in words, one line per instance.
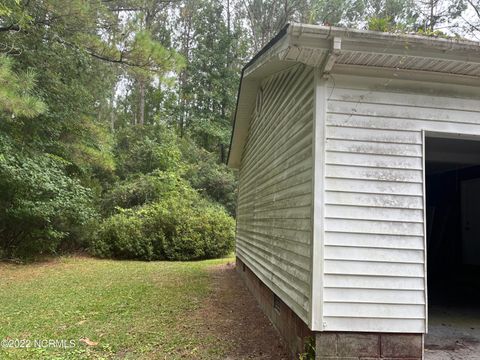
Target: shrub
column 40, row 206
column 121, row 236
column 215, row 226
column 174, row 228
column 192, row 229
column 213, row 180
column 149, row 156
column 145, row 149
column 216, row 182
column 142, row 189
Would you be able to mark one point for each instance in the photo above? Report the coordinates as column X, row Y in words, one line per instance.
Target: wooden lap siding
column 374, row 245
column 275, row 188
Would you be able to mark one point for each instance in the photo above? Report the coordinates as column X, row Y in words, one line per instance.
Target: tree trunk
column 185, row 51
column 228, row 17
column 141, row 105
column 112, row 113
column 222, row 154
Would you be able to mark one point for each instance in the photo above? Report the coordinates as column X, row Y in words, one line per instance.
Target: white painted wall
column 274, row 214
column 373, row 237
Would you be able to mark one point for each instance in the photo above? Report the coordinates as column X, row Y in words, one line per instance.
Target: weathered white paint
column 425, row 241
column 318, row 208
column 374, row 272
column 274, row 221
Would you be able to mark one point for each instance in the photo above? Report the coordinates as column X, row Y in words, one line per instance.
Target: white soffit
column 331, row 48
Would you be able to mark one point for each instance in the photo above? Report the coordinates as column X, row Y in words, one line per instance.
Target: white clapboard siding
column 383, row 161
column 369, row 310
column 373, row 187
column 374, row 213
column 366, row 147
column 274, row 226
column 373, row 254
column 367, row 240
column 376, row 282
column 375, row 324
column 373, row 200
column 373, row 268
column 373, row 173
column 374, row 245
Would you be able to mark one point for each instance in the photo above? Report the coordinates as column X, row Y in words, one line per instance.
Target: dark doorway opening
column 452, row 171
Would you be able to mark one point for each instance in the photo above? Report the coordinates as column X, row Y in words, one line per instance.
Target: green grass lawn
column 133, row 310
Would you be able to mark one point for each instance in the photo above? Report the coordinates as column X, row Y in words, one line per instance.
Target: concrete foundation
column 329, row 345
column 366, row 346
column 293, row 330
column 453, row 333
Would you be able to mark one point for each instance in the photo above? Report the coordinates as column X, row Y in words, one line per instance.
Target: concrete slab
column 454, row 333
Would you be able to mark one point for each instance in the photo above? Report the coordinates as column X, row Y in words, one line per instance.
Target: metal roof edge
column 378, row 36
column 281, row 34
column 297, row 36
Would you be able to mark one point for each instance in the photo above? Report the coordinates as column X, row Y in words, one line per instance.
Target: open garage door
column 453, row 248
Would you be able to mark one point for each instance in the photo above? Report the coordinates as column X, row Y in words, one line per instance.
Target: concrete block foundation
column 293, row 330
column 368, row 346
column 329, row 345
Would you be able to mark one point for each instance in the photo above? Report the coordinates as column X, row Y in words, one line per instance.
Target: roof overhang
column 333, row 49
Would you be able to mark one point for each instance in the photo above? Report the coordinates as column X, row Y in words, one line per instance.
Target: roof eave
column 252, row 74
column 313, row 45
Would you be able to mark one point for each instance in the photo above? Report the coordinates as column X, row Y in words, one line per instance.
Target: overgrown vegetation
column 115, row 116
column 177, row 227
column 40, row 206
column 92, row 151
column 309, row 351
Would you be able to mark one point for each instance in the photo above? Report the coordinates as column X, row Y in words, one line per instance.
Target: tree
column 13, row 16
column 470, row 19
column 215, row 48
column 16, row 93
column 55, row 150
column 267, row 17
column 438, row 14
column 398, row 14
column 148, row 47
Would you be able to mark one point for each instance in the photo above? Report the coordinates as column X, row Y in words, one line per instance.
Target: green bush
column 40, row 206
column 143, row 189
column 148, row 156
column 170, row 203
column 192, row 229
column 211, row 179
column 121, row 236
column 145, row 149
column 174, row 228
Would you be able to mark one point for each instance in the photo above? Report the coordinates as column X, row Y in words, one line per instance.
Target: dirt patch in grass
column 231, row 316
